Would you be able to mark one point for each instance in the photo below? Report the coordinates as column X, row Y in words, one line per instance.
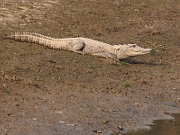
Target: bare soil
column 55, row 92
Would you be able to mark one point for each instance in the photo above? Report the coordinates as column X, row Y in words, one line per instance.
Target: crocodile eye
column 133, row 45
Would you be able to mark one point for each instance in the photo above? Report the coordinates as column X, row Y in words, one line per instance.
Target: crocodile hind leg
column 78, row 46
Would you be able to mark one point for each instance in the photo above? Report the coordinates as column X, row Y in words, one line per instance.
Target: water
column 162, row 127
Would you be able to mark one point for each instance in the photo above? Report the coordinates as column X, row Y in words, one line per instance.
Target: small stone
column 58, row 112
column 71, row 124
column 97, row 131
column 34, row 119
column 120, row 127
column 178, row 99
column 4, row 86
column 61, row 121
column 105, row 121
column 52, row 101
column 14, row 78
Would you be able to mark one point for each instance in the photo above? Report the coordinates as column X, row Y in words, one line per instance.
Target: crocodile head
column 129, row 50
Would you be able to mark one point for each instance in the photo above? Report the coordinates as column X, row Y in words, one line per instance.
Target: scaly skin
column 83, row 45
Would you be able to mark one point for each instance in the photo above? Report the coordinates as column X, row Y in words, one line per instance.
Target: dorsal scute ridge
column 43, row 36
column 39, row 35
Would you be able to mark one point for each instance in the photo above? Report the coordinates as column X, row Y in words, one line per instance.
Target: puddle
column 162, row 127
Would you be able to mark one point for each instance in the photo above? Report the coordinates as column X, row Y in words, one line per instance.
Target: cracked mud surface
column 45, row 91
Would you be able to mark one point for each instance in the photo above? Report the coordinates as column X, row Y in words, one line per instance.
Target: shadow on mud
column 133, row 61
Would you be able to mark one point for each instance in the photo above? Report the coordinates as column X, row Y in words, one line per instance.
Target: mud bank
column 45, row 91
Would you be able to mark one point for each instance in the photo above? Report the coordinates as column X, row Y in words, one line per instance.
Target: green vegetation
column 68, row 33
column 127, row 85
column 125, row 63
column 6, row 90
column 89, row 65
column 153, row 52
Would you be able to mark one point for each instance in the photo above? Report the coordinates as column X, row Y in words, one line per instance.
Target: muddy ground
column 53, row 92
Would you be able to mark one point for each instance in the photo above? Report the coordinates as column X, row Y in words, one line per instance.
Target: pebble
column 34, row 119
column 58, row 112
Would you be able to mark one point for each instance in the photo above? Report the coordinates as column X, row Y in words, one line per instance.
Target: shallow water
column 162, row 127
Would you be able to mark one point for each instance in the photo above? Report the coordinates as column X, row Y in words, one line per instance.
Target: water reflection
column 162, row 127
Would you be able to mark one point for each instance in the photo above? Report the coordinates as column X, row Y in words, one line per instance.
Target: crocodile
column 82, row 45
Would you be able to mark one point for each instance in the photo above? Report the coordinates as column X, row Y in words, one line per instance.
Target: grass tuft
column 153, row 52
column 89, row 65
column 125, row 63
column 127, row 85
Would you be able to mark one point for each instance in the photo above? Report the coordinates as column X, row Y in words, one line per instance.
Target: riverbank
column 45, row 91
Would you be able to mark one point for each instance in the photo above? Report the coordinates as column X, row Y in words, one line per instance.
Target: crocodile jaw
column 134, row 50
column 130, row 50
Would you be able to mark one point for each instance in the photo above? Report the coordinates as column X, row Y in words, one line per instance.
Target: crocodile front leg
column 107, row 55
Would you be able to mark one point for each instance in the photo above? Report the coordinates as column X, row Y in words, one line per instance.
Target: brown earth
column 53, row 92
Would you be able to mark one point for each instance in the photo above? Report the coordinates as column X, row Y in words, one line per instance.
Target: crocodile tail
column 31, row 38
